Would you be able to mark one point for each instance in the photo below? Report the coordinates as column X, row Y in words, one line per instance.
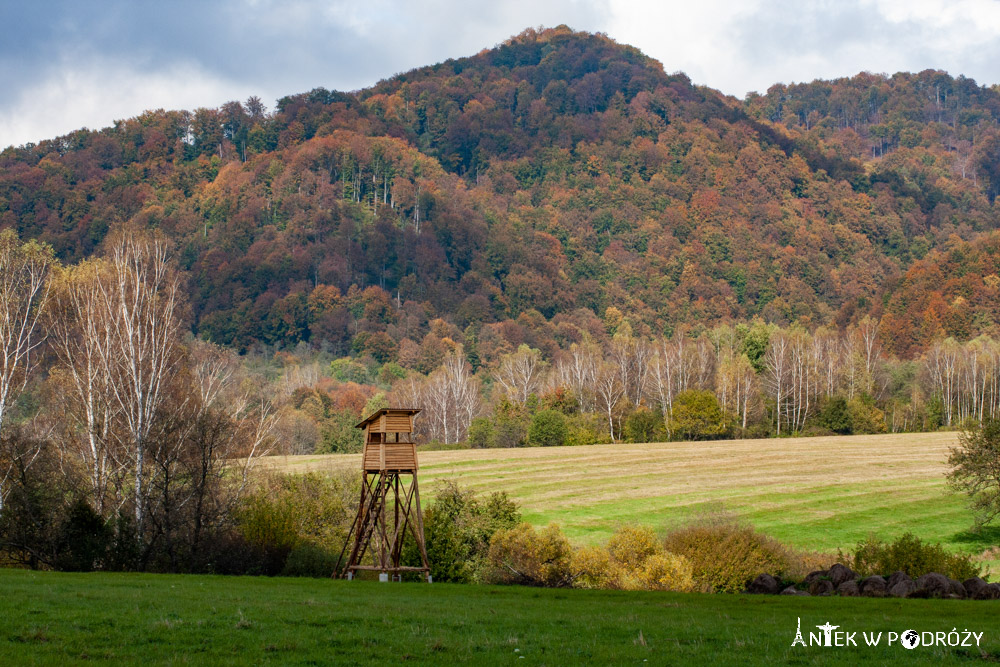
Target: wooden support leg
column 418, row 533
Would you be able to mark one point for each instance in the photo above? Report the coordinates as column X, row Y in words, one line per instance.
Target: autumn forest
column 556, row 241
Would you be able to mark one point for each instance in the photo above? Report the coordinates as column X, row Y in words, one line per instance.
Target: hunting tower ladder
column 390, row 498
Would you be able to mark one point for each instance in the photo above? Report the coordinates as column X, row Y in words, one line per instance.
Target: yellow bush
column 593, row 568
column 632, row 561
column 630, row 546
column 522, row 555
column 666, row 572
column 725, row 555
column 801, row 563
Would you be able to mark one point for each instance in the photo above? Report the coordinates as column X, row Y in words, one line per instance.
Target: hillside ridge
column 538, row 184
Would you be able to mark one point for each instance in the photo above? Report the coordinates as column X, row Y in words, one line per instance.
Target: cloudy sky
column 66, row 64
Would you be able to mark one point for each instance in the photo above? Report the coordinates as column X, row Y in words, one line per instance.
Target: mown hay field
column 812, row 493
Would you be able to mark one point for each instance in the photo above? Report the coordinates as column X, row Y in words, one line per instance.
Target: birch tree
column 24, row 295
column 519, row 374
column 577, row 369
column 79, row 329
column 450, row 398
column 610, row 391
column 776, row 365
column 664, row 376
column 140, row 295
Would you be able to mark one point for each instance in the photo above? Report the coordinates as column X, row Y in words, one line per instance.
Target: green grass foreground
column 55, row 618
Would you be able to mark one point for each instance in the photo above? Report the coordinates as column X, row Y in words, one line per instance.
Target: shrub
column 548, row 429
column 447, row 555
column 287, row 511
column 593, row 568
column 270, row 528
column 834, row 415
column 975, row 469
column 865, row 417
column 585, row 429
column 666, row 572
column 458, row 527
column 633, row 560
column 801, row 563
column 696, row 415
column 234, row 555
column 124, row 551
column 724, row 555
column 308, row 559
column 522, row 555
column 758, row 431
column 509, row 431
column 438, row 446
column 36, row 526
column 496, row 511
column 645, row 425
column 630, row 546
column 911, row 555
column 83, row 539
column 481, row 433
column 813, row 431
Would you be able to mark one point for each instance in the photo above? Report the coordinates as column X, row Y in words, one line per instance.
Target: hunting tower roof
column 387, row 412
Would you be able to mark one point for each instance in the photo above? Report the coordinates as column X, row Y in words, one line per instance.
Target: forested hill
column 533, row 191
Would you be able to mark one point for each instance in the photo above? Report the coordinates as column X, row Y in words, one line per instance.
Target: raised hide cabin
column 389, row 508
column 388, row 445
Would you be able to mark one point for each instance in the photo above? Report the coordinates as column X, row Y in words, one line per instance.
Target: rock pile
column 841, row 580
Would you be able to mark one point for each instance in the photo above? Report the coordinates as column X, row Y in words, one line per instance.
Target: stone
column 956, row 589
column 849, row 589
column 902, row 588
column 821, row 587
column 933, row 585
column 840, row 573
column 791, row 590
column 896, row 577
column 973, row 585
column 874, row 587
column 764, row 584
column 989, row 592
column 813, row 576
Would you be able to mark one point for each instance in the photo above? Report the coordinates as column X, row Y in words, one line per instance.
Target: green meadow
column 816, row 494
column 57, row 619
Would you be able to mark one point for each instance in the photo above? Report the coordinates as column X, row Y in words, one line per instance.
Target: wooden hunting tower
column 390, row 498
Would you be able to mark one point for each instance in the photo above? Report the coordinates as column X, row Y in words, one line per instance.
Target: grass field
column 53, row 618
column 812, row 493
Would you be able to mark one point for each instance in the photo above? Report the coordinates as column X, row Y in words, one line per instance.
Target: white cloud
column 96, row 92
column 268, row 48
column 85, row 69
column 738, row 47
column 693, row 37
